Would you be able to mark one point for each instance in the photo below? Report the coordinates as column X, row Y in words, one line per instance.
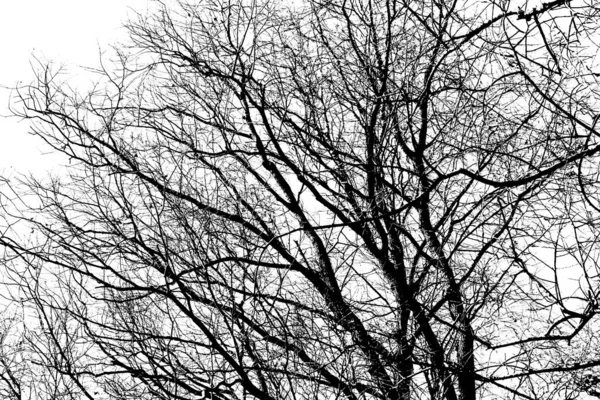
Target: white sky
column 68, row 32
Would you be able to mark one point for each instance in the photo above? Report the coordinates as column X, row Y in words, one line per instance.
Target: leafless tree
column 383, row 199
column 12, row 367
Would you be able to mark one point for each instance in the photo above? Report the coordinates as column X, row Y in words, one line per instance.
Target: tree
column 316, row 200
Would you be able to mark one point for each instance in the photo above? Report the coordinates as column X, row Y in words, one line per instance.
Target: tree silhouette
column 317, row 200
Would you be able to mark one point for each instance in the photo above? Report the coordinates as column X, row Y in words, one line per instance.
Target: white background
column 72, row 33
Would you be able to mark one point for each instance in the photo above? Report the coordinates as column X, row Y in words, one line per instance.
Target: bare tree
column 12, row 367
column 317, row 200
